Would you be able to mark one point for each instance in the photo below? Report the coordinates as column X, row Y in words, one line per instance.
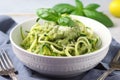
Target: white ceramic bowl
column 61, row 66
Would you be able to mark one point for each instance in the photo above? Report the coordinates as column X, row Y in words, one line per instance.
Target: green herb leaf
column 48, row 14
column 64, row 8
column 92, row 6
column 99, row 16
column 78, row 12
column 66, row 21
column 79, row 8
column 79, row 5
column 51, row 15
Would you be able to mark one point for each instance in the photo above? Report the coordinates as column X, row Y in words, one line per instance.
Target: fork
column 114, row 65
column 6, row 65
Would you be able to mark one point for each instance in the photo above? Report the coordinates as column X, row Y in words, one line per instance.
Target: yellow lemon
column 114, row 8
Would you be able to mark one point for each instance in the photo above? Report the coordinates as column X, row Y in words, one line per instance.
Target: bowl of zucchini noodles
column 61, row 51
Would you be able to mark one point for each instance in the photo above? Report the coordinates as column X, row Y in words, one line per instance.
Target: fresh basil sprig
column 66, row 21
column 78, row 8
column 98, row 16
column 51, row 15
column 88, row 11
column 48, row 14
column 64, row 8
column 92, row 6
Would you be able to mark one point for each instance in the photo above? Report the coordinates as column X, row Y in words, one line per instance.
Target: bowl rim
column 60, row 57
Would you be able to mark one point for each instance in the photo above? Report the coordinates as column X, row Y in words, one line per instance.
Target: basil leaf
column 78, row 12
column 66, row 21
column 51, row 15
column 99, row 16
column 79, row 8
column 64, row 8
column 79, row 5
column 48, row 14
column 92, row 6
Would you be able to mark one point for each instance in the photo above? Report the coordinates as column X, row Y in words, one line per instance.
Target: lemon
column 114, row 8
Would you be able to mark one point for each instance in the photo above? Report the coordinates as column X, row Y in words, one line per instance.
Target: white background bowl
column 61, row 66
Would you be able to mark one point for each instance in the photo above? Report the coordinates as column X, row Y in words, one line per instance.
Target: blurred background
column 21, row 10
column 29, row 6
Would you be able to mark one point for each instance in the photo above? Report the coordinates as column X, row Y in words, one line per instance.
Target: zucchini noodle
column 50, row 39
